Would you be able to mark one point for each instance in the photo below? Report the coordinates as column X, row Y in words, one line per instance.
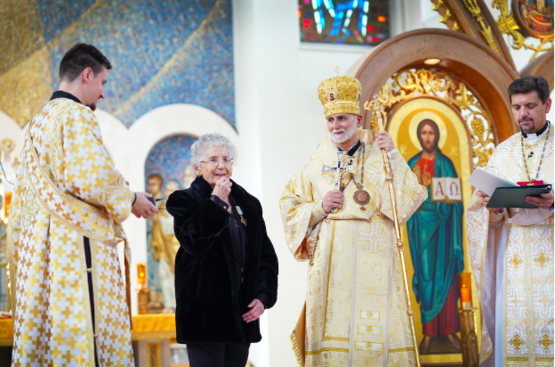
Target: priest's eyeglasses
column 214, row 162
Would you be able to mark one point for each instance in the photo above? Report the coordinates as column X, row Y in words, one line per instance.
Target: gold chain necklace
column 361, row 196
column 530, row 182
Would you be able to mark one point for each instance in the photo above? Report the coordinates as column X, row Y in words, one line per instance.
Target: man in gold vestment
column 68, row 202
column 512, row 250
column 356, row 313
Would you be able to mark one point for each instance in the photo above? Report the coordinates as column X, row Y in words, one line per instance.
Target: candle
column 7, row 204
column 466, row 295
column 143, row 290
column 141, row 275
column 465, row 286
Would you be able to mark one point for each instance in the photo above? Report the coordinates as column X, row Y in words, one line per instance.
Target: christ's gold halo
column 423, row 115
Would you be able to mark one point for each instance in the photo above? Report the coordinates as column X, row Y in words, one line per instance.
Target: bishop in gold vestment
column 356, row 312
column 512, row 252
column 67, row 189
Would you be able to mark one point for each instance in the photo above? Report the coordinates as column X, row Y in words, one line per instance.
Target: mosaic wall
column 170, row 158
column 162, row 52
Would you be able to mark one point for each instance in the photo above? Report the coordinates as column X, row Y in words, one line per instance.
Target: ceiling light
column 432, row 61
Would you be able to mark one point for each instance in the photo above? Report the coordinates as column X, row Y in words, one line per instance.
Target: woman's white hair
column 198, row 150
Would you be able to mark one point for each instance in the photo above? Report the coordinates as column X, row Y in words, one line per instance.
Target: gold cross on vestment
column 541, row 259
column 546, row 342
column 337, row 70
column 515, row 261
column 516, row 342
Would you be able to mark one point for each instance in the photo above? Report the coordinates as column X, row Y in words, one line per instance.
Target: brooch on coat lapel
column 240, row 212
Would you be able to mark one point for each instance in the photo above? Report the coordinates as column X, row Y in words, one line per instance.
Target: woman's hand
column 257, row 309
column 222, row 189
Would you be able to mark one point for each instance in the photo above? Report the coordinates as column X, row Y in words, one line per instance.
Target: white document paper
column 487, row 182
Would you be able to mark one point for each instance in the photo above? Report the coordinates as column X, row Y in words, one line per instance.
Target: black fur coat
column 209, row 305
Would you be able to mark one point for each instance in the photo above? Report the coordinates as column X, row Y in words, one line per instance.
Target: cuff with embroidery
column 496, row 218
column 392, row 152
column 317, row 215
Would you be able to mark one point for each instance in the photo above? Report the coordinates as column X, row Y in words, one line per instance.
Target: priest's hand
column 333, row 199
column 385, row 141
column 257, row 309
column 143, row 207
column 544, row 202
column 222, row 189
column 485, row 200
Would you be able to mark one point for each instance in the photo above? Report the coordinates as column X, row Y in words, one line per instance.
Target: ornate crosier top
column 340, row 94
column 376, row 106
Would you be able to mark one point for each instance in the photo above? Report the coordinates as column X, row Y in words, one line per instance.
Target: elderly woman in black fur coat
column 226, row 268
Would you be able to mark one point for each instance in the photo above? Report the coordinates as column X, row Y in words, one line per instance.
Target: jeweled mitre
column 340, row 94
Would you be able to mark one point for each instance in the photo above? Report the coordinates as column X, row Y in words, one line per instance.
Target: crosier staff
column 376, row 106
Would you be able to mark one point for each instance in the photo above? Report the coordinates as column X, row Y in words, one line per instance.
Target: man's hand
column 385, row 141
column 485, row 200
column 222, row 189
column 143, row 208
column 544, row 202
column 333, row 199
column 257, row 309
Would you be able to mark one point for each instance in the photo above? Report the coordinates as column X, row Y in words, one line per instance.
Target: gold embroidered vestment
column 356, row 313
column 67, row 188
column 527, row 236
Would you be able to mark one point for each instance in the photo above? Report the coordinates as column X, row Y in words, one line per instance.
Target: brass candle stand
column 467, row 317
column 469, row 340
column 142, row 296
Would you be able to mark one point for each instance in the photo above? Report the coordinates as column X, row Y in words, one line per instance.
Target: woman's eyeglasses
column 214, row 162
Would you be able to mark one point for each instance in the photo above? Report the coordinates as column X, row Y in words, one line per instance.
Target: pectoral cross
column 339, row 169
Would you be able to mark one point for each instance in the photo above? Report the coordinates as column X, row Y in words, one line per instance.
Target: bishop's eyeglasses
column 214, row 162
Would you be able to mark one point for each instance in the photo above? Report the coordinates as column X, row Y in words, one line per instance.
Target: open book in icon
column 446, row 189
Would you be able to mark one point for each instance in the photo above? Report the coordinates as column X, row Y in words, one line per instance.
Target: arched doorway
column 167, row 169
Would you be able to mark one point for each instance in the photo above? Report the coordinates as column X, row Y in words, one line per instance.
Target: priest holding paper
column 337, row 215
column 511, row 250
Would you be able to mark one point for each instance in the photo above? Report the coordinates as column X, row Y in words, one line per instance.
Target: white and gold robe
column 67, row 188
column 513, row 266
column 356, row 312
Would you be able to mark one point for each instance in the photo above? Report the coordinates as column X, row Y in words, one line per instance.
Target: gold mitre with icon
column 340, row 94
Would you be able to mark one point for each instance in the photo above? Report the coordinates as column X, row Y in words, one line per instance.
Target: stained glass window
column 355, row 22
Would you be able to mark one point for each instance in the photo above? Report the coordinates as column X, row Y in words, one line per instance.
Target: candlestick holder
column 142, row 296
column 467, row 317
column 469, row 340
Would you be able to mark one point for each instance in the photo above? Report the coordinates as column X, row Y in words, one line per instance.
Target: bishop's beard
column 348, row 133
